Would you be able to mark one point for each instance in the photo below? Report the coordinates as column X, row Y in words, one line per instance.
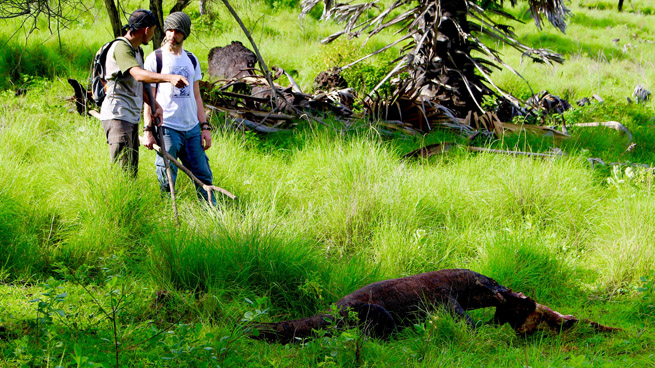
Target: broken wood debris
column 247, row 100
column 251, row 109
column 549, row 103
column 641, row 94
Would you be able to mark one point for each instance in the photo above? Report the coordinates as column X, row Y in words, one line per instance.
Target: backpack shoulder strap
column 104, row 50
column 127, row 42
column 107, row 46
column 158, row 58
column 138, row 50
column 101, row 58
column 193, row 58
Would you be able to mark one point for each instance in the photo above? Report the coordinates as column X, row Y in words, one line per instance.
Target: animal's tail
column 373, row 319
column 288, row 331
column 600, row 328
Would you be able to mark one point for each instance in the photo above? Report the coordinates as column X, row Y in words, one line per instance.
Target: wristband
column 148, row 128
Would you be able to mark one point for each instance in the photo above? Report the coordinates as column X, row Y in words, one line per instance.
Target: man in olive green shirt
column 121, row 109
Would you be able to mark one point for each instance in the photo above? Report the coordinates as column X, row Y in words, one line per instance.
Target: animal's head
column 486, row 287
column 527, row 316
column 514, row 309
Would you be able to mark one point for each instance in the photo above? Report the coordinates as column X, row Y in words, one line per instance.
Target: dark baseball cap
column 141, row 18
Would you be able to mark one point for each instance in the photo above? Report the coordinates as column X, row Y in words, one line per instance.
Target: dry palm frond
column 553, row 10
column 438, row 37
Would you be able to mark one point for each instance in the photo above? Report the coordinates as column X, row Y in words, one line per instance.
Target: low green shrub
column 527, row 264
column 22, row 64
column 248, row 259
column 20, row 251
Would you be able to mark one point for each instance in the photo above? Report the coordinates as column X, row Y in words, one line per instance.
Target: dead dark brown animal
column 385, row 305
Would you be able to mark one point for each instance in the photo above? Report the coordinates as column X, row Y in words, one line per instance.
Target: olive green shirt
column 124, row 99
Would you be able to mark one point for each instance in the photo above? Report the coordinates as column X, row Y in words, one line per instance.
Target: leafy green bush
column 363, row 77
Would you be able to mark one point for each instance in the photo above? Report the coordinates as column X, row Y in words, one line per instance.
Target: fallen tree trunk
column 440, row 148
column 608, row 124
column 384, row 306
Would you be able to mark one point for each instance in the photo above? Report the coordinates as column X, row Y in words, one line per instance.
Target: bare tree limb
column 267, row 73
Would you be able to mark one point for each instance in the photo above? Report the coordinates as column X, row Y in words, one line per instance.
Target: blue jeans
column 187, row 147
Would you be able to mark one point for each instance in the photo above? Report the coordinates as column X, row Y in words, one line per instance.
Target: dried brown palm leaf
column 440, row 36
column 553, row 10
column 378, row 51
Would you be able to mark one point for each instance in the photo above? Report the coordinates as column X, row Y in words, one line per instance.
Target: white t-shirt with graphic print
column 179, row 104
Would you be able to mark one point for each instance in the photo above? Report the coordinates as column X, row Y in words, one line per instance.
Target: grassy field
column 93, row 270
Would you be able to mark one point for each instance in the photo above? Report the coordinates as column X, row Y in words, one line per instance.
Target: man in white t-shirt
column 186, row 131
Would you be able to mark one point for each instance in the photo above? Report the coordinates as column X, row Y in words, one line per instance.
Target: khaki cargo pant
column 123, row 140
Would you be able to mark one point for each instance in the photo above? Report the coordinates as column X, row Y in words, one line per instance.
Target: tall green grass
column 321, row 213
column 607, row 53
column 241, row 260
column 21, row 232
column 625, row 249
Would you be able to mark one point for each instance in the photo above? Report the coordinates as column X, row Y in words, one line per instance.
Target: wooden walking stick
column 207, row 187
column 160, row 134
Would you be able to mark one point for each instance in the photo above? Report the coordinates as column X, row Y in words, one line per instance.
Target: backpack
column 98, row 79
column 158, row 58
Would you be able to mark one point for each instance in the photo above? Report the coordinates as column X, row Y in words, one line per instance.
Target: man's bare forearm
column 145, row 76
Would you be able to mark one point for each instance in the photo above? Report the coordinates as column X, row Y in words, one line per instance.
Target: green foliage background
column 320, row 213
